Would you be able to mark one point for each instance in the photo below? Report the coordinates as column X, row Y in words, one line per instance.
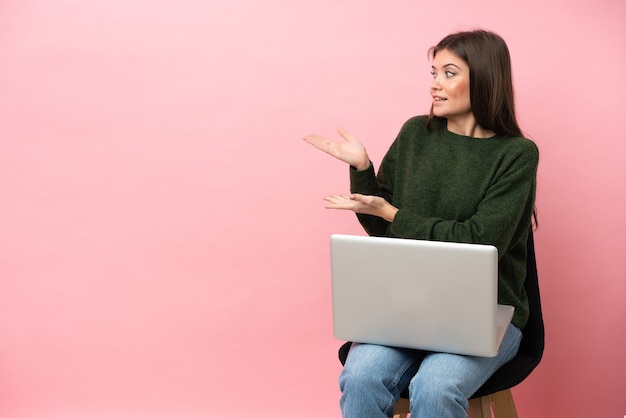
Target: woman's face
column 450, row 88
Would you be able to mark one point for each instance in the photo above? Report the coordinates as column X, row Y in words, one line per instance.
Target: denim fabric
column 439, row 383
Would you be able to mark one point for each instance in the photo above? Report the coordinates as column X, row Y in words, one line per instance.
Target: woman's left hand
column 365, row 204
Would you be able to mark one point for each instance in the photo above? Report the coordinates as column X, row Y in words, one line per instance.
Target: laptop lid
column 430, row 295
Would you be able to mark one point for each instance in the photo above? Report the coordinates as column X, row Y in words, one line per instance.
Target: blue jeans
column 439, row 383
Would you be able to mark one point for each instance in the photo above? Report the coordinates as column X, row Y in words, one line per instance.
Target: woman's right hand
column 350, row 151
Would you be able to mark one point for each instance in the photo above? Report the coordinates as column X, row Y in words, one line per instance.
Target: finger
column 339, row 207
column 337, row 198
column 366, row 199
column 315, row 139
column 357, row 197
column 339, row 202
column 343, row 205
column 345, row 134
column 321, row 143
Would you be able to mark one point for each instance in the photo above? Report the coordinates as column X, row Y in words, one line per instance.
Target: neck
column 469, row 128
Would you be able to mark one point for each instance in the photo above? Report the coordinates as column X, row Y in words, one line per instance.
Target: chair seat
column 509, row 375
column 500, row 403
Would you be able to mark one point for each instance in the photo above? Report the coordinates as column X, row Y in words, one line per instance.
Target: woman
column 464, row 174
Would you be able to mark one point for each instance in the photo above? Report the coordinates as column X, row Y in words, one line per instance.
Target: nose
column 434, row 84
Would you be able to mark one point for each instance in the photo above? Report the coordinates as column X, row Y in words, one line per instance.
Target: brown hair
column 491, row 81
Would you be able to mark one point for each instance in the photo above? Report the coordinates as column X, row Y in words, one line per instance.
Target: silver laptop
column 430, row 295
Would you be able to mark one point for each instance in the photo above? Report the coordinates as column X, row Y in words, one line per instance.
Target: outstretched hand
column 350, row 151
column 365, row 204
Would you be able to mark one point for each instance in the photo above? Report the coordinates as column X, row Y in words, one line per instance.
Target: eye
column 450, row 74
column 434, row 74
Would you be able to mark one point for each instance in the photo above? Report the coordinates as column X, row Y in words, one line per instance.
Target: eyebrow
column 447, row 65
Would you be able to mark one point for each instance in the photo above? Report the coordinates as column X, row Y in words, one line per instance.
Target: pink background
column 163, row 243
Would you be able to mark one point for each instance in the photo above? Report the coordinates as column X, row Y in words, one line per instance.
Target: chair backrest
column 533, row 339
column 534, row 333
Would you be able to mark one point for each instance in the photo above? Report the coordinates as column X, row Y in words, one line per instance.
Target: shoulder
column 521, row 146
column 416, row 123
column 418, row 127
column 517, row 154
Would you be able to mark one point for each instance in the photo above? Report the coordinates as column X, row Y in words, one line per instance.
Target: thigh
column 393, row 367
column 466, row 373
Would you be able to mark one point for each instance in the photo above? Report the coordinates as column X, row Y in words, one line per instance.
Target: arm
column 364, row 183
column 353, row 152
column 501, row 215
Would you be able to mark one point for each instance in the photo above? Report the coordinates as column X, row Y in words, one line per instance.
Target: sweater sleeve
column 366, row 182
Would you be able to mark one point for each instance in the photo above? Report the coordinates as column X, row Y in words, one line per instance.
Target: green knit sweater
column 450, row 187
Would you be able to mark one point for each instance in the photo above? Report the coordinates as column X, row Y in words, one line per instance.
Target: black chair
column 495, row 393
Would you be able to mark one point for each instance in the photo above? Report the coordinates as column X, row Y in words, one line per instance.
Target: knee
column 434, row 393
column 370, row 368
column 360, row 378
